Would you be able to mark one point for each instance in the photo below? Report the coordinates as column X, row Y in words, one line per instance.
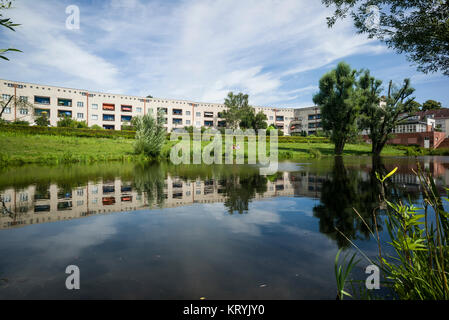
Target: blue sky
column 274, row 50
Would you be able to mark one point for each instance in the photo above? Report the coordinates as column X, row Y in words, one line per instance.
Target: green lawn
column 17, row 148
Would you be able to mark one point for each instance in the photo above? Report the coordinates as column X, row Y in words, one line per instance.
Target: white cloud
column 196, row 49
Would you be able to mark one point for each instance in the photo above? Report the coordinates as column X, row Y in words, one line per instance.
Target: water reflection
column 55, row 194
column 188, row 232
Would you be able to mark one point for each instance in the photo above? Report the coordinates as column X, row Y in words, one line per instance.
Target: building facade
column 112, row 111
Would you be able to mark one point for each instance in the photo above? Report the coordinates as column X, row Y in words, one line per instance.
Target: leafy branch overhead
column 420, row 28
column 7, row 23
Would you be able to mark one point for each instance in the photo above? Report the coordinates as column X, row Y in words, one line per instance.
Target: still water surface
column 166, row 232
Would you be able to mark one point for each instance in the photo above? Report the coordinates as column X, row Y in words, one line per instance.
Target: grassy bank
column 19, row 148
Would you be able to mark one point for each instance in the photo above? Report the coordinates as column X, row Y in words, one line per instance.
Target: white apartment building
column 111, row 111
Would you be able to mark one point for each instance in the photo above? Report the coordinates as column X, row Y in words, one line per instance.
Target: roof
column 437, row 114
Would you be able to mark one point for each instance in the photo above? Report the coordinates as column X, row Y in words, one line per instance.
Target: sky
column 273, row 50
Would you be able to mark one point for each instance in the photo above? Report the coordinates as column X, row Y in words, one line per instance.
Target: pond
column 159, row 231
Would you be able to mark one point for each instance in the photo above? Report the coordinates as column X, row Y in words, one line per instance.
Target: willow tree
column 337, row 102
column 380, row 118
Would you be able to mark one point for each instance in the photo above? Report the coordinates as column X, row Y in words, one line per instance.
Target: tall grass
column 418, row 269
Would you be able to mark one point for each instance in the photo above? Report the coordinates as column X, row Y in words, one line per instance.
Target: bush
column 42, row 121
column 150, row 135
column 68, row 122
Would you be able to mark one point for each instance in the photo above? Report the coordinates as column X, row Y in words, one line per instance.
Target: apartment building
column 112, row 111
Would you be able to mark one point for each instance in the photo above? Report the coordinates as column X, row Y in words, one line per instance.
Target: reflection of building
column 31, row 205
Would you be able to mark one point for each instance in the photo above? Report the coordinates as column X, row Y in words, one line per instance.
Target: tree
column 250, row 120
column 416, row 105
column 382, row 119
column 431, row 105
column 7, row 23
column 18, row 104
column 150, row 135
column 42, row 120
column 336, row 100
column 418, row 28
column 235, row 104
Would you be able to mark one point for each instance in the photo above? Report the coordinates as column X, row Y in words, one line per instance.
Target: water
column 166, row 232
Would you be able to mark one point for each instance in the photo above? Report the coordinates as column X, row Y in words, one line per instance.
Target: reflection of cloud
column 69, row 243
column 248, row 223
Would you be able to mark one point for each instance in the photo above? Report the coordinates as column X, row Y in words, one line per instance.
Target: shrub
column 150, row 135
column 42, row 120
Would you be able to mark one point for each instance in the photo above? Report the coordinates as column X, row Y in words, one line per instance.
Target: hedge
column 75, row 132
column 71, row 132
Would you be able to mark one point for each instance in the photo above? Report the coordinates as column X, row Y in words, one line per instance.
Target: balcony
column 208, row 114
column 41, row 100
column 64, row 102
column 126, row 118
column 279, row 118
column 64, row 113
column 108, row 117
column 177, row 121
column 177, row 112
column 208, row 123
column 108, row 107
column 126, row 108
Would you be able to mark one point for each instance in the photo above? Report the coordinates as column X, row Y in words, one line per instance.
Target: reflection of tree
column 241, row 188
column 345, row 191
column 150, row 180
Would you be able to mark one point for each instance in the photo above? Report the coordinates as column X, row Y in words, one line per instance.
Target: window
column 198, row 114
column 188, row 122
column 6, row 96
column 177, row 121
column 41, row 100
column 23, row 99
column 126, row 118
column 177, row 112
column 7, row 110
column 208, row 114
column 198, row 123
column 208, row 123
column 64, row 102
column 23, row 111
column 279, row 118
column 94, row 106
column 94, row 117
column 80, row 104
column 187, row 113
column 108, row 117
column 80, row 115
column 271, row 117
column 139, row 110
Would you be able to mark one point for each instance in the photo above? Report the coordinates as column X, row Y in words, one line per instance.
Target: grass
column 418, row 267
column 22, row 149
column 17, row 148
